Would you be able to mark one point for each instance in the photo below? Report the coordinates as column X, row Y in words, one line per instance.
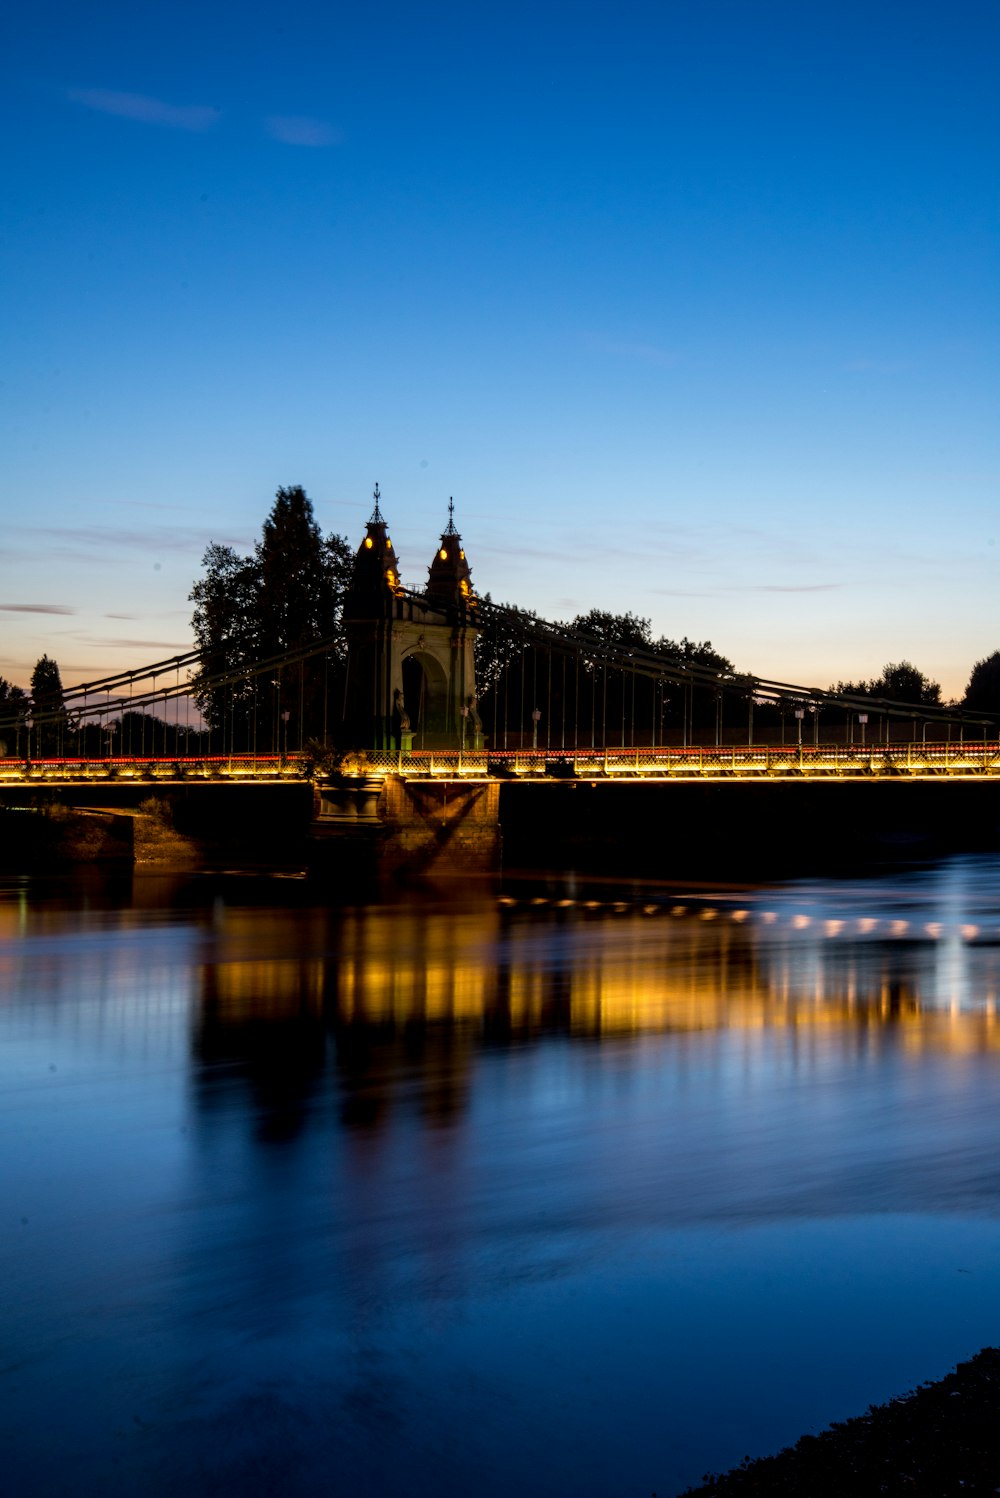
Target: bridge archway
column 426, row 697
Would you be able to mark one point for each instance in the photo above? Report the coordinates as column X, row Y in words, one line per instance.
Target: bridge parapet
column 722, row 761
column 728, row 761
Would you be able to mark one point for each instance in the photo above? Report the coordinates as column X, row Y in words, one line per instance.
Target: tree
column 634, row 701
column 695, row 653
column 14, row 705
column 303, row 581
column 302, row 578
column 502, row 632
column 982, row 695
column 601, row 678
column 226, row 628
column 702, row 702
column 47, row 707
column 901, row 682
column 614, row 631
column 904, row 683
column 286, row 597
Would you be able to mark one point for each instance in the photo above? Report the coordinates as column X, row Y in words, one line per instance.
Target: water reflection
column 592, row 968
column 551, row 1192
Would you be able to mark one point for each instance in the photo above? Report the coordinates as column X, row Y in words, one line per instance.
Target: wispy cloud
column 78, row 543
column 120, row 616
column 788, row 588
column 301, row 130
column 581, row 550
column 114, row 642
column 149, row 111
column 720, row 590
column 36, row 608
column 151, row 504
column 686, row 592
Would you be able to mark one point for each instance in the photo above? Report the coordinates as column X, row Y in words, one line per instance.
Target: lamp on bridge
column 863, row 720
column 800, row 713
column 535, row 719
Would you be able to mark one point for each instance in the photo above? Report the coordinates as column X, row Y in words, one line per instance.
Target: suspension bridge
column 439, row 685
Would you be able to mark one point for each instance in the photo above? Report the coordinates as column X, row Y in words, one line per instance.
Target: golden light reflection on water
column 604, row 971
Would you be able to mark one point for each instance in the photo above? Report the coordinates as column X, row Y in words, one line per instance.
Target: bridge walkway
column 725, row 762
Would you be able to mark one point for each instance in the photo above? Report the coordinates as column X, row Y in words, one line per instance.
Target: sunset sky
column 692, row 306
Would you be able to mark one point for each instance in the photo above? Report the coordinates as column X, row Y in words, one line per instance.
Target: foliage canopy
column 983, row 691
column 286, row 596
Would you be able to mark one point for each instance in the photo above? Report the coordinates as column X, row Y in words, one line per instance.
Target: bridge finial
column 450, row 528
column 376, row 513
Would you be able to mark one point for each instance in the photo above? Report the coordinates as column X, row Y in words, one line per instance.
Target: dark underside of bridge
column 743, row 831
column 693, row 830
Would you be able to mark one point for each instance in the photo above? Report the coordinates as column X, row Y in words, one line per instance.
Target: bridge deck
column 716, row 762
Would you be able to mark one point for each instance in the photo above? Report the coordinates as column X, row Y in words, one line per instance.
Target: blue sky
column 693, row 307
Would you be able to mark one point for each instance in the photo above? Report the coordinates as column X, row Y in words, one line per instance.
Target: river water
column 549, row 1191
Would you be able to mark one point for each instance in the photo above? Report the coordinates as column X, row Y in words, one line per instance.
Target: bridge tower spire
column 449, row 579
column 411, row 679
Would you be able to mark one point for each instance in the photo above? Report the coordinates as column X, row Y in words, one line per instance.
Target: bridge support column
column 439, row 830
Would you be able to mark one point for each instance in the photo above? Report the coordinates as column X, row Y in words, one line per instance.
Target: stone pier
column 408, row 828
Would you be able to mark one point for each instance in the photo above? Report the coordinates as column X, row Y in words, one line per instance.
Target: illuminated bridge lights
column 798, row 925
column 723, row 762
column 720, row 763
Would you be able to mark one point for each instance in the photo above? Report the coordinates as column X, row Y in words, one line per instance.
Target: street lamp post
column 535, row 718
column 800, row 713
column 863, row 720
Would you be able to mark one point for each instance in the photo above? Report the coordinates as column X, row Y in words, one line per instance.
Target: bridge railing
column 725, row 761
column 138, row 768
column 697, row 761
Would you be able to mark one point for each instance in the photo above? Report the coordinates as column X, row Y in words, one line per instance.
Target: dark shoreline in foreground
column 941, row 1439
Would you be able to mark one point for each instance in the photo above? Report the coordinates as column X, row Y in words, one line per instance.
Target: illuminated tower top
column 450, row 579
column 376, row 571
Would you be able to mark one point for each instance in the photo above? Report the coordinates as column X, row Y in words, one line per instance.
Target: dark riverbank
column 942, row 1439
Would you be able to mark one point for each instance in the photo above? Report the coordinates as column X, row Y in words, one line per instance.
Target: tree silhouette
column 904, row 683
column 14, row 705
column 47, row 707
column 983, row 692
column 287, row 596
column 900, row 682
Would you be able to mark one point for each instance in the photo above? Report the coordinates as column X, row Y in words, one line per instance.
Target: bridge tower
column 411, row 681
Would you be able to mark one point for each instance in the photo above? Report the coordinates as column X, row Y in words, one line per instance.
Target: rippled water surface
column 549, row 1194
